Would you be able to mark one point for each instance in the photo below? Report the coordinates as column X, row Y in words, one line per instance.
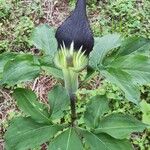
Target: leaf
column 57, row 73
column 134, row 44
column 46, row 61
column 22, row 68
column 27, row 102
column 43, row 38
column 102, row 46
column 127, row 67
column 58, row 101
column 4, row 58
column 128, row 72
column 90, row 74
column 67, row 140
column 130, row 46
column 105, row 142
column 97, row 106
column 120, row 126
column 145, row 108
column 24, row 133
column 49, row 67
column 137, row 66
column 124, row 81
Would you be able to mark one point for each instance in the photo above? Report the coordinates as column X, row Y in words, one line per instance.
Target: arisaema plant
column 124, row 62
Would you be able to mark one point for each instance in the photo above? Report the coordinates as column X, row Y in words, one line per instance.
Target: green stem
column 71, row 81
column 71, row 84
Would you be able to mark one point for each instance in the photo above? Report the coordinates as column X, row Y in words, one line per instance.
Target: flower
column 71, row 59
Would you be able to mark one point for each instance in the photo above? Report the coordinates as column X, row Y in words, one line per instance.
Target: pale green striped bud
column 71, row 59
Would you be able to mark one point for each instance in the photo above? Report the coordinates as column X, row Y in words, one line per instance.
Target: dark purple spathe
column 76, row 28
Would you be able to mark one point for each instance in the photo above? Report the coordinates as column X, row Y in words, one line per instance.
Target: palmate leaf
column 27, row 102
column 23, row 67
column 67, row 140
column 25, row 133
column 58, row 101
column 120, row 126
column 105, row 142
column 128, row 72
column 43, row 38
column 127, row 67
column 97, row 106
column 102, row 46
column 137, row 66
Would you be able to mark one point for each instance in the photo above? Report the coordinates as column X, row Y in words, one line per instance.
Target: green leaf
column 57, row 73
column 120, row 126
column 102, row 46
column 24, row 133
column 137, row 66
column 124, row 81
column 48, row 66
column 91, row 73
column 97, row 106
column 46, row 61
column 58, row 101
column 27, row 102
column 4, row 58
column 22, row 68
column 134, row 44
column 145, row 108
column 126, row 67
column 67, row 140
column 43, row 38
column 105, row 142
column 128, row 72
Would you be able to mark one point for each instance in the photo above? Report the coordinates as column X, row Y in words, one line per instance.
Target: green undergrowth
column 118, row 103
column 128, row 17
column 17, row 22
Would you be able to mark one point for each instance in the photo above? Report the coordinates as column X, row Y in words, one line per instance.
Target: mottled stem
column 73, row 109
column 71, row 84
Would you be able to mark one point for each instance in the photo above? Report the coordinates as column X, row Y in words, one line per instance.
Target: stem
column 71, row 84
column 73, row 110
column 71, row 80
